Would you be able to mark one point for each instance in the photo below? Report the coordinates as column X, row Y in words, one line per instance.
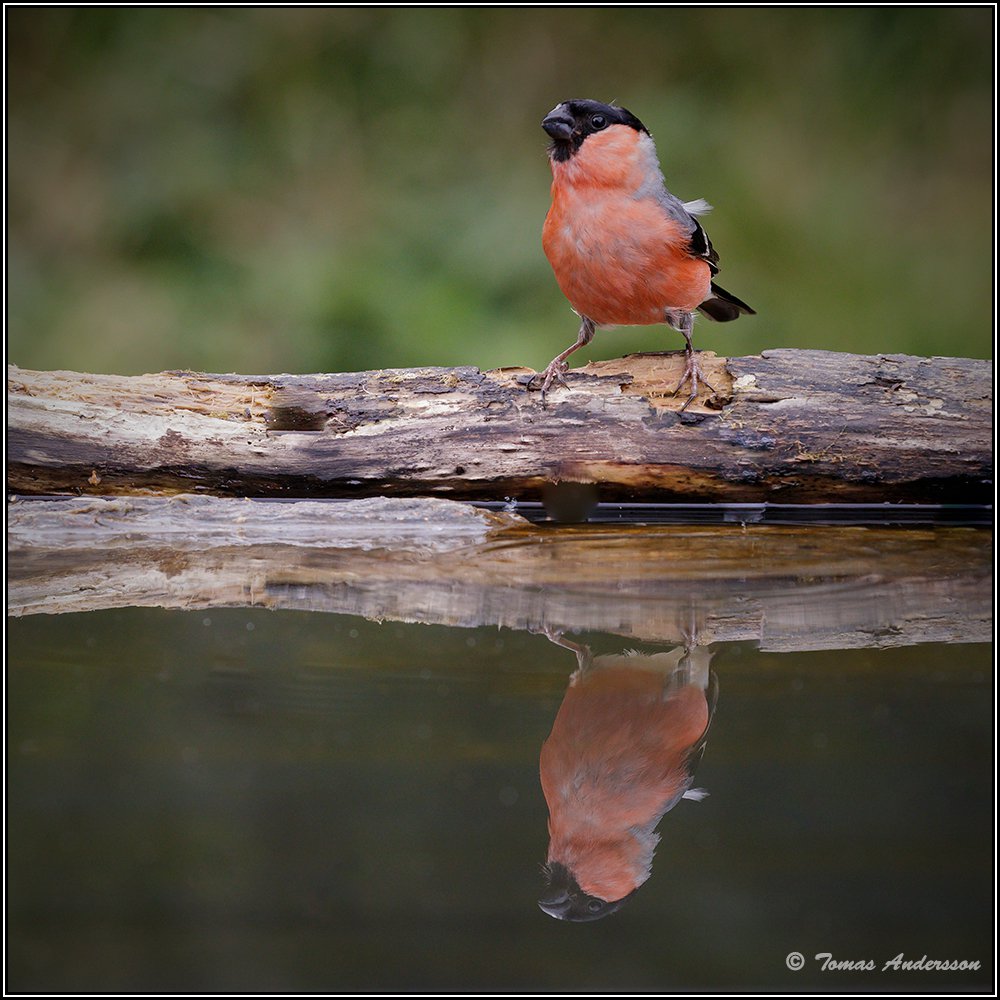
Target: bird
column 622, row 752
column 625, row 251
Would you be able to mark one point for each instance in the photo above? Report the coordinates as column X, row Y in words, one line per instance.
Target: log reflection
column 785, row 587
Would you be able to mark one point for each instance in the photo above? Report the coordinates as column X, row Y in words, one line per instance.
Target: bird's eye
column 595, row 904
column 597, row 122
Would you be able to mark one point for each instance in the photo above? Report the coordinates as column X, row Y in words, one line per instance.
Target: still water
column 272, row 799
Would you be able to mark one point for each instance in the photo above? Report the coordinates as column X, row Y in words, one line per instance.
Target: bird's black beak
column 565, row 900
column 557, row 902
column 559, row 125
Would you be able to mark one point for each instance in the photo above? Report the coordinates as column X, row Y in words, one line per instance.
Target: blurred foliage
column 332, row 189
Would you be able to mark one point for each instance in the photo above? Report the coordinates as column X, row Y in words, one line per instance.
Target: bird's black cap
column 565, row 900
column 571, row 122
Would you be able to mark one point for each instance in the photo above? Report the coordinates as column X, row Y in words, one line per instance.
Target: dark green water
column 289, row 801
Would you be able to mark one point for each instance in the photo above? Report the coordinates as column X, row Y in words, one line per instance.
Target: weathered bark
column 436, row 562
column 788, row 426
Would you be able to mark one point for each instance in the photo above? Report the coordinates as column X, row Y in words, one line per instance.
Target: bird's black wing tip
column 723, row 306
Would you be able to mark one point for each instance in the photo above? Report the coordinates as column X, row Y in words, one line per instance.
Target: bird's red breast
column 618, row 256
column 617, row 756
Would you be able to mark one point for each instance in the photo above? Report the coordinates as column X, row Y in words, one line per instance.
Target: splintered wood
column 788, row 426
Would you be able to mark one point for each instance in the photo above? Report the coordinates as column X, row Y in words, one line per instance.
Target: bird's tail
column 723, row 306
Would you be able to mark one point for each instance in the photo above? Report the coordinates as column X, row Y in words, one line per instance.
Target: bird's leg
column 584, row 657
column 689, row 631
column 696, row 658
column 684, row 322
column 556, row 368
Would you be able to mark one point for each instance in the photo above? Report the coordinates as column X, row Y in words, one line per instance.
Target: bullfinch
column 624, row 250
column 622, row 752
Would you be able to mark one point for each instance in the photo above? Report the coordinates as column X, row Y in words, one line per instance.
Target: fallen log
column 787, row 426
column 430, row 561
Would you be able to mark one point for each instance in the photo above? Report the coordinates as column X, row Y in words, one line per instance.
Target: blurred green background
column 334, row 189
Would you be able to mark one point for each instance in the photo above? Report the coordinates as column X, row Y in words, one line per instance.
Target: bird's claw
column 555, row 371
column 694, row 375
column 584, row 657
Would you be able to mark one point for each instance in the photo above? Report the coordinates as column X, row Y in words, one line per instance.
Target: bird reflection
column 622, row 752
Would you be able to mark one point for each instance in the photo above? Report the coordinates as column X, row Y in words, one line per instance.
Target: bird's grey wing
column 699, row 245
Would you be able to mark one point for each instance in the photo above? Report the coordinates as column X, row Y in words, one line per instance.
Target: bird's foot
column 694, row 375
column 555, row 371
column 584, row 657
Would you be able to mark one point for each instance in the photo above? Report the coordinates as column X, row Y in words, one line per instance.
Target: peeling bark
column 789, row 426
